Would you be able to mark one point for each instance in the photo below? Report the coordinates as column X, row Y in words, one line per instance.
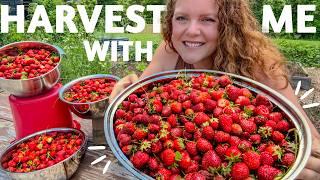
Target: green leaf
column 178, row 156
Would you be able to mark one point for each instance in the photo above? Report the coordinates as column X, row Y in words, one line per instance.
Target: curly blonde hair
column 241, row 46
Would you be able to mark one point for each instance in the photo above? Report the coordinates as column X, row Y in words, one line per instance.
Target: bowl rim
column 109, row 116
column 73, row 82
column 57, row 48
column 14, row 144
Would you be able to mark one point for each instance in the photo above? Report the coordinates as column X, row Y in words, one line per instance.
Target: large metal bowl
column 276, row 98
column 92, row 110
column 36, row 85
column 62, row 170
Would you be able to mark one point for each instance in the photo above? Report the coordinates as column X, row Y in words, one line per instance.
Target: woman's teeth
column 192, row 44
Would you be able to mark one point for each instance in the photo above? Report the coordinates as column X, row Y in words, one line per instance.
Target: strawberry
column 178, row 144
column 210, row 104
column 153, row 164
column 245, row 92
column 176, row 107
column 203, row 145
column 234, row 141
column 208, row 132
column 261, row 110
column 176, row 132
column 240, row 171
column 267, row 172
column 140, row 134
column 255, row 139
column 139, row 159
column 153, row 128
column 245, row 145
column 172, row 120
column 252, row 159
column 221, row 149
column 186, row 104
column 127, row 150
column 120, row 114
column 163, row 173
column 216, row 95
column 233, row 92
column 224, row 80
column 217, row 111
column 166, row 111
column 236, row 129
column 288, row 159
column 124, row 139
column 156, row 147
column 198, row 107
column 248, row 126
column 243, row 101
column 262, row 100
column 223, row 103
column 168, row 157
column 210, row 159
column 275, row 116
column 277, row 136
column 233, row 154
column 189, row 127
column 192, row 148
column 185, row 161
column 221, row 136
column 193, row 167
column 275, row 150
column 225, row 122
column 193, row 176
column 266, row 158
column 201, row 118
column 282, row 126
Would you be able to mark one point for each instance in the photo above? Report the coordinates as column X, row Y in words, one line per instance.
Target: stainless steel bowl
column 62, row 170
column 36, row 85
column 88, row 110
column 276, row 98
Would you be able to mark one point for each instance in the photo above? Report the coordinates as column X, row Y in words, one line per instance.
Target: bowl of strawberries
column 49, row 154
column 202, row 124
column 88, row 97
column 29, row 68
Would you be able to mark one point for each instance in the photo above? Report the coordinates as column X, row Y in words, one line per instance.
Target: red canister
column 39, row 112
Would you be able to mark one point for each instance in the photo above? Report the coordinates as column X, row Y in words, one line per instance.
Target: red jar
column 44, row 111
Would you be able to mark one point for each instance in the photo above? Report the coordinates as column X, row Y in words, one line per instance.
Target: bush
column 305, row 52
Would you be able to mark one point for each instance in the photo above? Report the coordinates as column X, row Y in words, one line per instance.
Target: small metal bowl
column 87, row 110
column 298, row 120
column 62, row 170
column 36, row 85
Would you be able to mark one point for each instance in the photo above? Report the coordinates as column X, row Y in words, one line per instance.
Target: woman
column 223, row 35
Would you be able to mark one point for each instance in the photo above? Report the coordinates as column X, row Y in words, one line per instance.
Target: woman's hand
column 312, row 169
column 122, row 84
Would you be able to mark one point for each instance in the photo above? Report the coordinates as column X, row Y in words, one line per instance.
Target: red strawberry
column 262, row 110
column 176, row 107
column 210, row 159
column 236, row 129
column 176, row 132
column 139, row 159
column 216, row 95
column 223, row 103
column 221, row 149
column 255, row 138
column 243, row 101
column 198, row 107
column 178, row 144
column 240, row 171
column 214, row 123
column 153, row 128
column 288, row 159
column 156, row 147
column 275, row 116
column 186, row 104
column 168, row 157
column 225, row 122
column 262, row 100
column 282, row 126
column 190, row 127
column 192, row 148
column 266, row 158
column 252, row 159
column 245, row 145
column 267, row 172
column 193, row 167
column 277, row 136
column 153, row 164
column 208, row 132
column 221, row 137
column 210, row 105
column 275, row 150
column 140, row 134
column 246, row 92
column 127, row 150
column 185, row 160
column 195, row 176
column 120, row 113
column 166, row 111
column 224, row 80
column 233, row 92
column 217, row 111
column 203, row 145
column 172, row 120
column 234, row 141
column 163, row 173
column 248, row 126
column 201, row 118
column 233, row 153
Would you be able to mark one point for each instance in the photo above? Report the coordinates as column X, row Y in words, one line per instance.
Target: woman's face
column 195, row 29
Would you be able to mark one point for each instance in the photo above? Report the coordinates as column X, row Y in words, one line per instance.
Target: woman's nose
column 193, row 28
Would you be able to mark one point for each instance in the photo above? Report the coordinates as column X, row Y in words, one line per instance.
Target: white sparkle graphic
column 306, row 94
column 101, row 158
column 105, row 169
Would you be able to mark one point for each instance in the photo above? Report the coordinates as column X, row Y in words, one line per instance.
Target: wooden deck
column 86, row 171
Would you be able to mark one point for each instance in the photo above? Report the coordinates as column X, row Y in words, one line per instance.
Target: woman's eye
column 208, row 20
column 180, row 18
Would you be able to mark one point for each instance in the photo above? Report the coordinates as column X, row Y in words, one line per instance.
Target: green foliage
column 305, row 52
